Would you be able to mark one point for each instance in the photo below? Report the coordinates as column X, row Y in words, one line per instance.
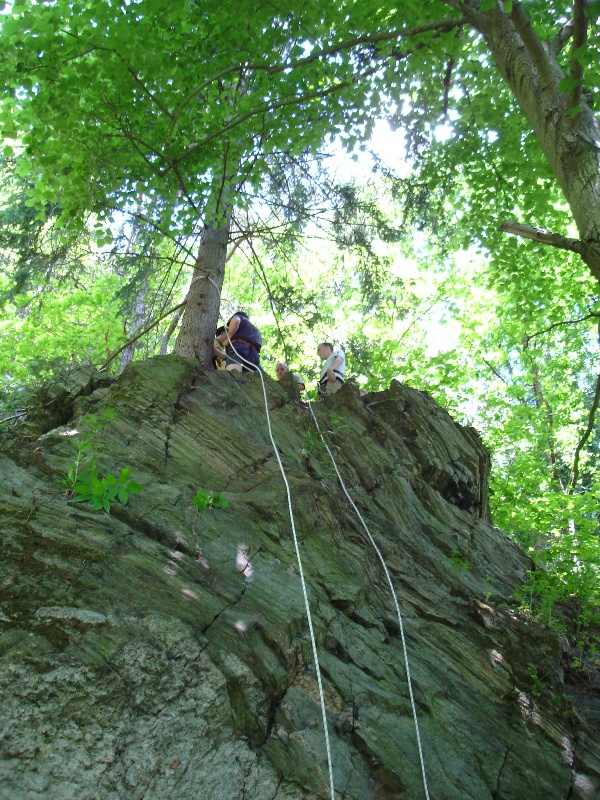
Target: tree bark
column 197, row 333
column 140, row 315
column 164, row 342
column 570, row 143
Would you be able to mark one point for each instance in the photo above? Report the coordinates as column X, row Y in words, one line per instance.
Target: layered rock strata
column 162, row 651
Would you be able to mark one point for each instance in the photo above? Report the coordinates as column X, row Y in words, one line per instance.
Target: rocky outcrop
column 162, row 651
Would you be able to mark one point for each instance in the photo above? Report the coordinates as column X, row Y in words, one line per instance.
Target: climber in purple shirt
column 242, row 341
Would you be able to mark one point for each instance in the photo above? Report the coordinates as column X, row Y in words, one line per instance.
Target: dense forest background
column 137, row 135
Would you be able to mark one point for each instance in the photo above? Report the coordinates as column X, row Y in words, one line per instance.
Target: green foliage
column 72, row 476
column 85, row 461
column 82, row 479
column 538, row 683
column 101, row 492
column 458, row 562
column 313, row 445
column 205, row 498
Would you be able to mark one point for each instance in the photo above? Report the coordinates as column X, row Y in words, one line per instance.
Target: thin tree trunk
column 164, row 342
column 540, row 400
column 140, row 314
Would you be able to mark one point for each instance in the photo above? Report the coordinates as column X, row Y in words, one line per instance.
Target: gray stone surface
column 162, row 652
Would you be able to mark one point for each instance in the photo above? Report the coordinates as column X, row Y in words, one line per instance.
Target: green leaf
column 508, row 6
column 487, row 5
column 8, row 151
column 566, row 84
column 106, row 504
column 124, row 475
column 110, row 479
column 575, row 111
column 123, row 495
column 134, row 488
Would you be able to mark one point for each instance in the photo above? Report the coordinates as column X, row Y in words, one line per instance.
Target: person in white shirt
column 281, row 368
column 333, row 370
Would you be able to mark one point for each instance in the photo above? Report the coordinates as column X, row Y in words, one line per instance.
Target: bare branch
column 495, row 372
column 14, row 416
column 165, row 232
column 533, row 44
column 139, row 335
column 241, row 240
column 458, row 5
column 562, row 37
column 169, row 332
column 258, row 267
column 147, row 91
column 438, row 25
column 560, row 324
column 579, row 37
column 267, row 108
column 447, row 84
column 544, row 236
column 551, row 457
column 586, row 435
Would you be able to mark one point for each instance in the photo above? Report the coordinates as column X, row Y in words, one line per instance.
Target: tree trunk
column 140, row 315
column 197, row 332
column 164, row 342
column 570, row 143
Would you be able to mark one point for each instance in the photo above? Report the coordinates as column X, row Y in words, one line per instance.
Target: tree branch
column 255, row 261
column 14, row 416
column 540, row 399
column 562, row 37
column 165, row 232
column 544, row 236
column 169, row 332
column 579, row 37
column 559, row 324
column 447, row 84
column 590, row 427
column 533, row 44
column 243, row 238
column 139, row 335
column 438, row 25
column 268, row 108
column 457, row 5
column 147, row 91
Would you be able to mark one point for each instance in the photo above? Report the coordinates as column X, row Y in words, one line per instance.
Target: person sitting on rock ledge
column 218, row 356
column 281, row 368
column 242, row 341
column 333, row 370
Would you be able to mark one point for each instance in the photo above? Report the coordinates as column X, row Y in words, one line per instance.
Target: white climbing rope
column 299, row 559
column 205, row 277
column 393, row 591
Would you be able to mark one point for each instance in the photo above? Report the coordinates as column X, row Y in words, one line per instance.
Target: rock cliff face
column 161, row 651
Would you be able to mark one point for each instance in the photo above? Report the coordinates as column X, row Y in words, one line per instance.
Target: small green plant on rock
column 80, row 466
column 459, row 564
column 209, row 499
column 102, row 492
column 85, row 461
column 313, row 445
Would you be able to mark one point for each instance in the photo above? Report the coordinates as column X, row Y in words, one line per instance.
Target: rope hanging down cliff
column 300, row 568
column 392, row 590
